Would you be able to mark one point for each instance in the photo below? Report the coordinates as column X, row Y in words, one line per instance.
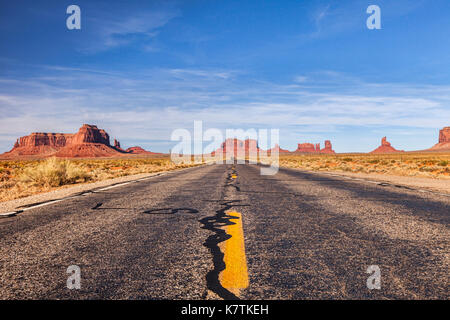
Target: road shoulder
column 419, row 183
column 72, row 190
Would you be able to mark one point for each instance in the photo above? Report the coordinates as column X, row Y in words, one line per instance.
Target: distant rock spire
column 385, row 147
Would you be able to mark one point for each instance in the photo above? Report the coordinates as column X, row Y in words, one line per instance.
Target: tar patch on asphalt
column 98, row 205
column 170, row 211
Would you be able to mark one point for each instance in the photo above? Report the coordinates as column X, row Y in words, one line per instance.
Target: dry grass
column 429, row 165
column 53, row 173
column 19, row 179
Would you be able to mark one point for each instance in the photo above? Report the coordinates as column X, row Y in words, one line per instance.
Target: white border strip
column 88, row 192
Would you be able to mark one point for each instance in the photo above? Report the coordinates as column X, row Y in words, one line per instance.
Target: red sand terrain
column 88, row 142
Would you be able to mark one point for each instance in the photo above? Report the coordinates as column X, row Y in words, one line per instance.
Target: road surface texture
column 307, row 236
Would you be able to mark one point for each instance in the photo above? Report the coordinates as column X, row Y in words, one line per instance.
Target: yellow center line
column 235, row 275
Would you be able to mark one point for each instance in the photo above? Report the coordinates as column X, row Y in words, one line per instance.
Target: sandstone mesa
column 92, row 142
column 311, row 148
column 88, row 142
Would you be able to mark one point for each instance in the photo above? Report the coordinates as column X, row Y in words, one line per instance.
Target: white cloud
column 300, row 79
column 149, row 105
column 125, row 29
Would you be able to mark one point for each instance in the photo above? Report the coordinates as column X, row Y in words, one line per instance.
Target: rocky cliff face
column 328, row 147
column 90, row 134
column 86, row 134
column 444, row 135
column 89, row 141
column 444, row 140
column 238, row 147
column 384, row 142
column 311, row 148
column 40, row 143
column 235, row 147
column 306, row 148
column 385, row 147
column 36, row 139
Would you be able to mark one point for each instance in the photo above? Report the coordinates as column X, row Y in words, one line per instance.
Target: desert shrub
column 53, row 173
column 443, row 163
column 347, row 159
column 427, row 169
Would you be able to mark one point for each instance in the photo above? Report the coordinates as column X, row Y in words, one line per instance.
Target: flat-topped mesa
column 306, row 147
column 39, row 143
column 249, row 147
column 385, row 147
column 89, row 141
column 311, row 148
column 234, row 146
column 36, row 139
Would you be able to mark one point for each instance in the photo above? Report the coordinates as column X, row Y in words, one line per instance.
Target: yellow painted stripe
column 235, row 275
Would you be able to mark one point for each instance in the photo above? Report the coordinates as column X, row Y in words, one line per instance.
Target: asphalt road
column 307, row 236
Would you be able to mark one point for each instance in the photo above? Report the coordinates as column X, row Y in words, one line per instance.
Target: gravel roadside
column 437, row 185
column 69, row 190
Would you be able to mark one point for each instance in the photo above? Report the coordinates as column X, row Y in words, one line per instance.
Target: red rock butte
column 385, row 147
column 444, row 140
column 233, row 146
column 250, row 146
column 311, row 148
column 88, row 142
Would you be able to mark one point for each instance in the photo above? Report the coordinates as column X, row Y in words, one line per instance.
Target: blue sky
column 310, row 68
